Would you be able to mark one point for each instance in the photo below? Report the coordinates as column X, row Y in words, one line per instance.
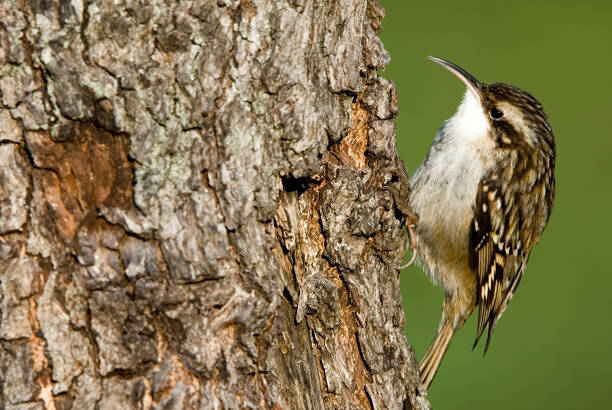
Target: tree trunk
column 201, row 206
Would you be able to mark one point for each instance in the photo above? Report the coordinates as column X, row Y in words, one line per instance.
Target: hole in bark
column 298, row 185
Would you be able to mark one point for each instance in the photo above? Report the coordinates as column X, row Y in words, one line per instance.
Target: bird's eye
column 496, row 114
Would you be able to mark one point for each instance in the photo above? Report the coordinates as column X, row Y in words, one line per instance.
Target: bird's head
column 504, row 113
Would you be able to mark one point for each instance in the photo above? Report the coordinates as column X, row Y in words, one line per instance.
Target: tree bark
column 201, row 206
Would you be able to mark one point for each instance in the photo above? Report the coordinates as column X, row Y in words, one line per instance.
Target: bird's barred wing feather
column 498, row 249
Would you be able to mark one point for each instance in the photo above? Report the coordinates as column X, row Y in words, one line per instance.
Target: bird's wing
column 498, row 251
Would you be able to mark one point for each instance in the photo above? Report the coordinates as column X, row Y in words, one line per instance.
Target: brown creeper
column 483, row 196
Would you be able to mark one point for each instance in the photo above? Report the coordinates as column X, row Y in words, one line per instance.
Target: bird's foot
column 411, row 220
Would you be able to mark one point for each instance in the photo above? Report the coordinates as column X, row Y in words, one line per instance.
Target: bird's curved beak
column 468, row 79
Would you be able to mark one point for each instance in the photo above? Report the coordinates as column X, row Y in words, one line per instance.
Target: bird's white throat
column 469, row 123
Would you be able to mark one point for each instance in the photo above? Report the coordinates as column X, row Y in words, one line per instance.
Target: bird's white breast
column 445, row 185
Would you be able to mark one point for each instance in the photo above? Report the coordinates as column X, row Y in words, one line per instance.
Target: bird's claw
column 413, row 245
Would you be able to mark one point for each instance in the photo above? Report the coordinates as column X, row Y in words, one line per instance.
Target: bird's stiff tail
column 435, row 353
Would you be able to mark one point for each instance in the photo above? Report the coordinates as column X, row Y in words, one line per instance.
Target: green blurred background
column 552, row 347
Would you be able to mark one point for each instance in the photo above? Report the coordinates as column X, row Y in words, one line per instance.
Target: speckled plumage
column 483, row 196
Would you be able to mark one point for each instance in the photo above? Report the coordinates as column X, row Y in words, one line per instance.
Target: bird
column 482, row 198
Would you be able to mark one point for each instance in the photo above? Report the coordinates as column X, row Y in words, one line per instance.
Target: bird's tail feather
column 433, row 357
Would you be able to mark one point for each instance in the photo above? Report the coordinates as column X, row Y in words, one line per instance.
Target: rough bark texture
column 201, row 206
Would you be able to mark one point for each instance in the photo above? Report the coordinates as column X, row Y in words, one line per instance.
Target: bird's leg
column 411, row 220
